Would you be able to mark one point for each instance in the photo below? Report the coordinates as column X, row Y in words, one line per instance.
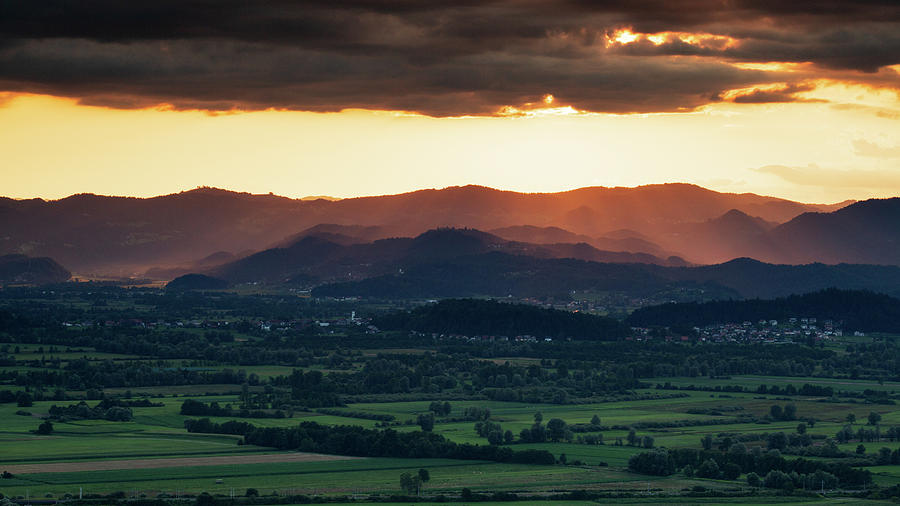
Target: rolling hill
column 21, row 269
column 857, row 310
column 123, row 236
column 499, row 274
column 865, row 232
column 316, row 258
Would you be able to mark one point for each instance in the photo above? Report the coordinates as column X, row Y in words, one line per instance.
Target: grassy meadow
column 157, row 432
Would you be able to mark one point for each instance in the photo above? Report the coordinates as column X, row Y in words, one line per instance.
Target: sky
column 347, row 98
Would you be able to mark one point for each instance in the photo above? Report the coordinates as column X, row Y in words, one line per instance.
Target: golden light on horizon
column 773, row 66
column 735, row 93
column 622, row 36
column 625, row 36
column 528, row 111
column 538, row 148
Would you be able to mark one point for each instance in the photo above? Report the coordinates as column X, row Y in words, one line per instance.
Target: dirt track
column 109, row 465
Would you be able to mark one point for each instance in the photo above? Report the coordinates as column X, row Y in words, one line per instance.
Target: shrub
column 708, row 469
column 753, row 480
column 657, row 462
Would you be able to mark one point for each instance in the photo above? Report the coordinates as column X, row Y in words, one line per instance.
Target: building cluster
column 266, row 325
column 481, row 338
column 616, row 303
column 762, row 331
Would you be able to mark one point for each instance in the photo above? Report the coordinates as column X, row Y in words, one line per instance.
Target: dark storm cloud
column 439, row 58
column 786, row 93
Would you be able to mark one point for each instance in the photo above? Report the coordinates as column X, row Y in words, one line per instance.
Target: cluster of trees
column 83, row 374
column 867, row 434
column 364, row 415
column 192, row 407
column 46, row 427
column 22, row 398
column 477, row 413
column 818, row 480
column 635, row 440
column 426, row 421
column 440, row 408
column 884, row 456
column 737, row 460
column 435, row 373
column 474, row 317
column 806, row 389
column 81, row 411
column 555, row 430
column 857, row 309
column 412, row 483
column 564, row 375
column 625, row 363
column 362, row 442
column 787, row 413
column 493, row 432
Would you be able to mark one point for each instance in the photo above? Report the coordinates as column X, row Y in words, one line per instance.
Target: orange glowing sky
column 388, row 101
column 848, row 147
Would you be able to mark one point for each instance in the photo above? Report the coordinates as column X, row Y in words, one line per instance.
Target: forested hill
column 473, row 317
column 21, row 269
column 858, row 310
column 499, row 274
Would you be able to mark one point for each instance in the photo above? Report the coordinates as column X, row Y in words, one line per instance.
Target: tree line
column 362, row 442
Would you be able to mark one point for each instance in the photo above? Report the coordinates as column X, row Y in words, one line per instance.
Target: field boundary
column 113, row 465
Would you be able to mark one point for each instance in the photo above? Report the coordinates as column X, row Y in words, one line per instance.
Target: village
column 792, row 330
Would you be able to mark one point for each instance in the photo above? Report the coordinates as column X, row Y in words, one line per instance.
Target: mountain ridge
column 318, row 257
column 126, row 235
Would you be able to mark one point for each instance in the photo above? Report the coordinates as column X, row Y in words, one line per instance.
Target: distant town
column 763, row 331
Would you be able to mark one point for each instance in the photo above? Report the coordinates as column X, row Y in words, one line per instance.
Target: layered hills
column 318, row 257
column 501, row 275
column 118, row 235
column 464, row 241
column 466, row 262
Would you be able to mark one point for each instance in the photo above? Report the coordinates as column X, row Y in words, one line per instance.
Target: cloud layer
column 441, row 58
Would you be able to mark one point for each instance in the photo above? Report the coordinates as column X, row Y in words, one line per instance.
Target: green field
column 391, row 387
column 157, row 432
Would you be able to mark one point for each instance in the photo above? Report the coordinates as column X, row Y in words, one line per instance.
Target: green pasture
column 886, row 476
column 615, row 456
column 158, row 432
column 361, row 476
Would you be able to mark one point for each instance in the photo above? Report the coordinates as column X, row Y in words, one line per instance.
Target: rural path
column 110, row 465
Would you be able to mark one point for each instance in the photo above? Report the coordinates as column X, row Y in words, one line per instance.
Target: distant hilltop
column 665, row 224
column 321, row 197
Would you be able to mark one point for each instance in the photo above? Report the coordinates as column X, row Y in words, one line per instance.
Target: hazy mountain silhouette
column 620, row 240
column 196, row 282
column 316, row 258
column 732, row 235
column 21, row 269
column 206, row 263
column 122, row 236
column 865, row 232
column 464, row 262
column 341, row 234
column 498, row 274
column 539, row 235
